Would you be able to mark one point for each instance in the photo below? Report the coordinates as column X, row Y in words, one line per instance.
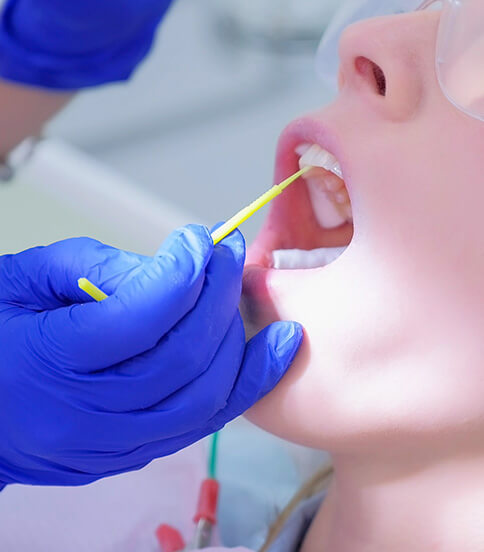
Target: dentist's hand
column 92, row 389
column 67, row 45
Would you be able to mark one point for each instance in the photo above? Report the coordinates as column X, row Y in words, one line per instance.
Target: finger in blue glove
column 92, row 389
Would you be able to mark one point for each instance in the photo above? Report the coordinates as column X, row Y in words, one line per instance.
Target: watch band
column 18, row 157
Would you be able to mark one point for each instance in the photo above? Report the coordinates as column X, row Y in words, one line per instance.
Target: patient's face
column 394, row 343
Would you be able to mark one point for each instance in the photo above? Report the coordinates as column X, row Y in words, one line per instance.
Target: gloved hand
column 92, row 389
column 67, row 45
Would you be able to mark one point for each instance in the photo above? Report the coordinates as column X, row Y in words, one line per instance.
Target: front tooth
column 336, row 169
column 318, row 157
column 327, row 213
column 302, row 149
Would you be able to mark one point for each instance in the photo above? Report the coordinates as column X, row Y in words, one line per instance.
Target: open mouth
column 331, row 207
column 311, row 225
column 300, row 254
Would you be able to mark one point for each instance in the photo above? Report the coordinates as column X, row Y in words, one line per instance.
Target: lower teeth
column 287, row 259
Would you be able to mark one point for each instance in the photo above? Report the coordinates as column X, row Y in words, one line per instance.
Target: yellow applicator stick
column 245, row 213
column 221, row 232
column 91, row 289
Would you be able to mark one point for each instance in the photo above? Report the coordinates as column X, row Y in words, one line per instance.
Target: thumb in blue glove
column 93, row 389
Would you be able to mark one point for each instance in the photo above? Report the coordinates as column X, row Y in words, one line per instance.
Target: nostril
column 373, row 73
column 380, row 79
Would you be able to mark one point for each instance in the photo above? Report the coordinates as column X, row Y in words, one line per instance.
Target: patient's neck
column 406, row 505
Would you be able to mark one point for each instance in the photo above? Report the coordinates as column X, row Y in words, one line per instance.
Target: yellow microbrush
column 244, row 214
column 221, row 232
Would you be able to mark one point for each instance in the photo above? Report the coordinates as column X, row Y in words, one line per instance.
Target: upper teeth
column 315, row 156
column 331, row 203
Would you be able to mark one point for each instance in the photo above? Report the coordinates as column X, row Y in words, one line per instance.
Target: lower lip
column 261, row 283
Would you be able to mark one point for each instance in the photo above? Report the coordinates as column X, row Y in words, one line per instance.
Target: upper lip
column 290, row 222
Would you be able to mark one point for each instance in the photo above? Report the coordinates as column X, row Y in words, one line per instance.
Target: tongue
column 286, row 259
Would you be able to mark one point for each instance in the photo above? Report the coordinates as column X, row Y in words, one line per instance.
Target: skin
column 390, row 379
column 24, row 112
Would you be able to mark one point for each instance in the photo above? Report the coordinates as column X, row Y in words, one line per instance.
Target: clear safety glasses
column 459, row 56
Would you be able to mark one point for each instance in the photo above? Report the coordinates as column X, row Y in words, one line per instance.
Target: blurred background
column 198, row 124
column 191, row 138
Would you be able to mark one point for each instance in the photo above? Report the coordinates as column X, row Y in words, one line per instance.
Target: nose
column 389, row 62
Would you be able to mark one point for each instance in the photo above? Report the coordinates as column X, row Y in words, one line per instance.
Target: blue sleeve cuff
column 43, row 63
column 71, row 73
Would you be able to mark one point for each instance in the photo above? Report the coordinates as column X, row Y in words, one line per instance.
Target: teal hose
column 212, row 457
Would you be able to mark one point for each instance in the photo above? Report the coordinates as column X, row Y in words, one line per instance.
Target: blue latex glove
column 94, row 389
column 71, row 44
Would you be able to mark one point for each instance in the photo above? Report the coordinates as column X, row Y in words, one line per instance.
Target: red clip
column 207, row 502
column 169, row 539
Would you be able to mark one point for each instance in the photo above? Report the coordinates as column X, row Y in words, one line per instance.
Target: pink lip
column 291, row 223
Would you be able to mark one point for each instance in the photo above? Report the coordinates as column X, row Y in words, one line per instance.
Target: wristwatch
column 18, row 157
